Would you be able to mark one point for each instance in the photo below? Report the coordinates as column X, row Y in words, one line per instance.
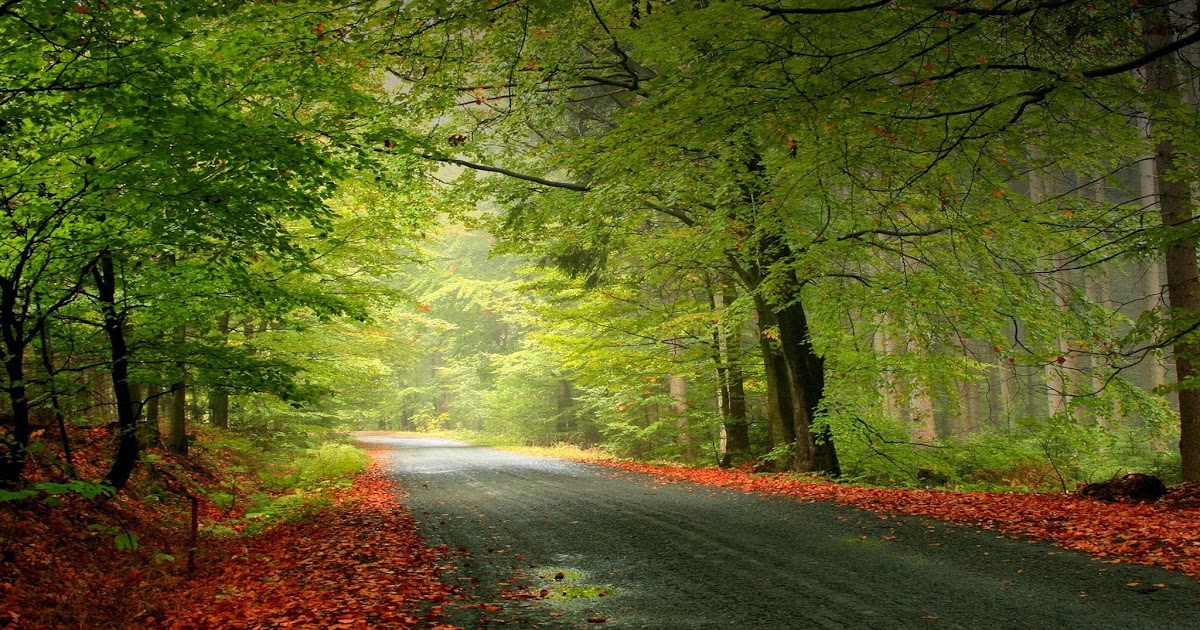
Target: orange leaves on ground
column 1166, row 533
column 359, row 564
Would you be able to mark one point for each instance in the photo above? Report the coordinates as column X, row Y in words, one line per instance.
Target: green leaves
column 51, row 493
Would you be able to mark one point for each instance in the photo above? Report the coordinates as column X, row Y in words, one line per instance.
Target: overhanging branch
column 510, row 173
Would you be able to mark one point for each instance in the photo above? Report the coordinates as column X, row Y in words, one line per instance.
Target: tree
column 212, row 136
column 815, row 165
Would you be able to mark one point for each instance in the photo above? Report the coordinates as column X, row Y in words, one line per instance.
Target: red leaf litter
column 359, row 564
column 1165, row 533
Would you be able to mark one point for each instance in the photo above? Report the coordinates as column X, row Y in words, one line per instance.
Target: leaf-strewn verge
column 1165, row 533
column 357, row 564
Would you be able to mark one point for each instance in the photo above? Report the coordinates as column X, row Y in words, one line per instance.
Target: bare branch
column 510, row 173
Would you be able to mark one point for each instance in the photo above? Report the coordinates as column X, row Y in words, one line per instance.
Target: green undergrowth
column 1042, row 455
column 288, row 479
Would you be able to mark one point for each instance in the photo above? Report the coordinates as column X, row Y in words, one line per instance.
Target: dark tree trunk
column 1183, row 283
column 153, row 433
column 218, row 407
column 114, row 328
column 737, row 429
column 177, row 437
column 17, row 431
column 15, row 439
column 779, row 403
column 815, row 451
column 59, row 419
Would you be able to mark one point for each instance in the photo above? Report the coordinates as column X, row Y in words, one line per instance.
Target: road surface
column 564, row 544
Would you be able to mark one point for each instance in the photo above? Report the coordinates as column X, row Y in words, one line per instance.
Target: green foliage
column 122, row 539
column 326, row 465
column 51, row 493
column 298, row 505
column 299, row 469
column 1037, row 454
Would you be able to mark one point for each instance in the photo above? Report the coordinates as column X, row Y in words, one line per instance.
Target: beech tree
column 212, row 137
column 876, row 150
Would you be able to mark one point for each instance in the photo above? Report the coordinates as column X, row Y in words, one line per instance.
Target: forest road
column 686, row 556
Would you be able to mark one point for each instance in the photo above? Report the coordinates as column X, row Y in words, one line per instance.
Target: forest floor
column 348, row 557
column 504, row 538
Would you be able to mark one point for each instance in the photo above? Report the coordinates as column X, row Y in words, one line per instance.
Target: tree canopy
column 836, row 236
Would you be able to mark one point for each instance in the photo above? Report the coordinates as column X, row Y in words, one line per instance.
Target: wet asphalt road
column 636, row 553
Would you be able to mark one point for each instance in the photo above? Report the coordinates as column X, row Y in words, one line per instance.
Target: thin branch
column 510, row 173
column 826, row 11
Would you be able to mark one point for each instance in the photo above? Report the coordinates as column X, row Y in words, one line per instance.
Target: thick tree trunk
column 779, row 403
column 16, row 427
column 1183, row 281
column 737, row 429
column 218, row 407
column 17, row 430
column 114, row 327
column 677, row 388
column 815, row 451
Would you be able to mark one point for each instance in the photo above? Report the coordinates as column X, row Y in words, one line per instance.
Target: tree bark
column 177, row 438
column 677, row 388
column 815, row 451
column 218, row 407
column 126, row 456
column 779, row 404
column 153, row 433
column 1183, row 281
column 731, row 388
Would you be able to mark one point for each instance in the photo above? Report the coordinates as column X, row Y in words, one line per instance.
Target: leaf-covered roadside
column 1165, row 533
column 358, row 564
column 296, row 535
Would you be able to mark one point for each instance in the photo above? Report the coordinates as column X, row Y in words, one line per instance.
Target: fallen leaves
column 359, row 565
column 1165, row 534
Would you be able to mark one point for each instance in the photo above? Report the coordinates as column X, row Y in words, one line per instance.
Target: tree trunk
column 732, row 391
column 779, row 403
column 177, row 438
column 17, row 432
column 565, row 421
column 677, row 388
column 737, row 429
column 114, row 328
column 218, row 407
column 1183, row 281
column 153, row 433
column 815, row 451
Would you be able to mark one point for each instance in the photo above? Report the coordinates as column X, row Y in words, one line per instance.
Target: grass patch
column 562, row 583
